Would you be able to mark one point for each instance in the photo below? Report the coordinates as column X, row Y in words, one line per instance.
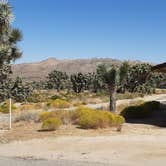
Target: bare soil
column 135, row 145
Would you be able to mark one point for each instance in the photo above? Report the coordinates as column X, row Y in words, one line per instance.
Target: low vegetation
column 30, row 106
column 86, row 118
column 91, row 118
column 51, row 124
column 4, row 107
column 64, row 115
column 58, row 103
column 27, row 116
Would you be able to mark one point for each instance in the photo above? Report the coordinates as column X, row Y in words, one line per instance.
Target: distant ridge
column 37, row 71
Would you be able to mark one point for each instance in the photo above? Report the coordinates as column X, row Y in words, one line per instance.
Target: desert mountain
column 39, row 70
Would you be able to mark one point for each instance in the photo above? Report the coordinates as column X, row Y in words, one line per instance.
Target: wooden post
column 10, row 114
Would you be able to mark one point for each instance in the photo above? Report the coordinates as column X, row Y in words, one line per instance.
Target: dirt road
column 33, row 162
column 118, row 149
column 161, row 98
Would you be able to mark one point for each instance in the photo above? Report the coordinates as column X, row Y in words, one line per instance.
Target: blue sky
column 69, row 29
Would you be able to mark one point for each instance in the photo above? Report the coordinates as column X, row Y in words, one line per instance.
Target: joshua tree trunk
column 112, row 98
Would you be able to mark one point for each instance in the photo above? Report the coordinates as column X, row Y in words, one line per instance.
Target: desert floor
column 137, row 144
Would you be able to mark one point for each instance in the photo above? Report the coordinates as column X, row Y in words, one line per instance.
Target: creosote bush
column 4, row 107
column 88, row 118
column 64, row 115
column 143, row 110
column 58, row 103
column 51, row 124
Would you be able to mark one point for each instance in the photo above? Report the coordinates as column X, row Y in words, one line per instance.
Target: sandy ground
column 136, row 145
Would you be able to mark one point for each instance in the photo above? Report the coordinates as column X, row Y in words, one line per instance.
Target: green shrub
column 64, row 115
column 88, row 118
column 144, row 110
column 54, row 97
column 59, row 103
column 119, row 120
column 51, row 124
column 4, row 107
column 44, row 116
column 38, row 96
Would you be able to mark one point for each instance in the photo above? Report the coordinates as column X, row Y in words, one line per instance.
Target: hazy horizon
column 86, row 58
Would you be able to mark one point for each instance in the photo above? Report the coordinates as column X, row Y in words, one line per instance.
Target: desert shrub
column 55, row 97
column 51, row 124
column 30, row 106
column 45, row 115
column 64, row 115
column 141, row 111
column 118, row 120
column 38, row 97
column 58, row 103
column 4, row 107
column 27, row 116
column 90, row 121
column 91, row 118
column 86, row 118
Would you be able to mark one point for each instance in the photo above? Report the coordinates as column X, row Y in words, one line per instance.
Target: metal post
column 10, row 113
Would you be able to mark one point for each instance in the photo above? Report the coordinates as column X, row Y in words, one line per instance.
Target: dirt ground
column 135, row 145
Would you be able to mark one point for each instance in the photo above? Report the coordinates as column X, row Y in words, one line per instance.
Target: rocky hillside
column 39, row 70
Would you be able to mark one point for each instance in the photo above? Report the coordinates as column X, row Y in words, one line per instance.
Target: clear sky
column 69, row 29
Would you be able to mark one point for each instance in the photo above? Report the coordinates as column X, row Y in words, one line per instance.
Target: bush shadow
column 157, row 117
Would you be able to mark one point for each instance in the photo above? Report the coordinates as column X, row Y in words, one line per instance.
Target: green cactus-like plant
column 57, row 80
column 21, row 91
column 5, row 82
column 138, row 75
column 8, row 35
column 78, row 82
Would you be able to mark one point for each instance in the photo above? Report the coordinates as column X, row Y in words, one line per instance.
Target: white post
column 10, row 113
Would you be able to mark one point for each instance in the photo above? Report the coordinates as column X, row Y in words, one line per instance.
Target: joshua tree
column 57, row 80
column 8, row 48
column 110, row 75
column 123, row 73
column 5, row 82
column 138, row 75
column 78, row 82
column 21, row 91
column 8, row 36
